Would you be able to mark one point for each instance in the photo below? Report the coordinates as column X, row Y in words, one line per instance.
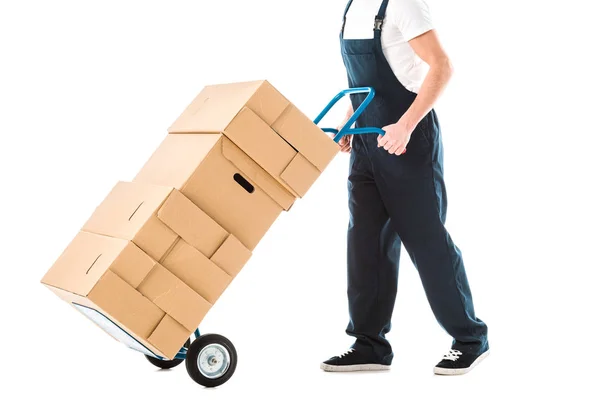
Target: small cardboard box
column 264, row 125
column 222, row 181
column 101, row 277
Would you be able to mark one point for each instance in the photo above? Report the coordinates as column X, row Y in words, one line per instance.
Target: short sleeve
column 412, row 17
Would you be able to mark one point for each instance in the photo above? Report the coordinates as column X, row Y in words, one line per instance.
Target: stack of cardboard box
column 159, row 251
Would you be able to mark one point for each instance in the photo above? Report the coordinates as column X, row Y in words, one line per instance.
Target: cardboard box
column 174, row 231
column 266, row 126
column 127, row 293
column 221, row 180
column 99, row 276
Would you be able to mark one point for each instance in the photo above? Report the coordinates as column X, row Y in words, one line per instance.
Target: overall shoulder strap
column 344, row 18
column 380, row 15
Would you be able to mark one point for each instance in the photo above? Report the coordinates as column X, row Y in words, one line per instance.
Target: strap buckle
column 378, row 23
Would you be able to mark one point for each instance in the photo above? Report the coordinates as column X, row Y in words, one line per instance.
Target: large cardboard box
column 266, row 126
column 102, row 278
column 221, row 180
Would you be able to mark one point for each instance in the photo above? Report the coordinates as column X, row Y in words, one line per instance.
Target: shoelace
column 452, row 355
column 346, row 353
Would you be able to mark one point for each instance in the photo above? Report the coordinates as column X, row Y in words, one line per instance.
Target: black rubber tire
column 191, row 361
column 167, row 364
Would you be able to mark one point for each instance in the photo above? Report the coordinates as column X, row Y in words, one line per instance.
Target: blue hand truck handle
column 346, row 128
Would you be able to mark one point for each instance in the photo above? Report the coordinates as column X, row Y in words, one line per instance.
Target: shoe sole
column 460, row 371
column 353, row 368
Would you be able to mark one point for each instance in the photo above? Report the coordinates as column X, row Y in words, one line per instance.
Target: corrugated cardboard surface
column 129, row 212
column 265, row 147
column 126, row 209
column 72, row 298
column 153, row 217
column 86, row 259
column 256, row 174
column 260, row 142
column 176, row 159
column 300, row 174
column 126, row 305
column 297, row 129
column 197, row 271
column 174, row 297
column 216, row 105
column 134, row 313
column 267, row 102
column 132, row 265
column 231, row 256
column 225, row 107
column 108, row 284
column 137, row 209
column 169, row 336
column 192, row 224
column 247, row 214
column 155, row 238
column 118, row 266
column 209, row 181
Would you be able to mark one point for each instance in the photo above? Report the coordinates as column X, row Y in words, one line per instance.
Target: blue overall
column 398, row 199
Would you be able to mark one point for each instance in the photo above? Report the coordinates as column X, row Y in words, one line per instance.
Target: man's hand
column 345, row 141
column 396, row 137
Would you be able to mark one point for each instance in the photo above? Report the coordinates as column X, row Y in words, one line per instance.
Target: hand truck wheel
column 167, row 364
column 211, row 360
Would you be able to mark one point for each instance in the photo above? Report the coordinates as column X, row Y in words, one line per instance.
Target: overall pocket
column 420, row 140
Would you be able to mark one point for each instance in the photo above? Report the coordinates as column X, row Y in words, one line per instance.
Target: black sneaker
column 352, row 360
column 458, row 363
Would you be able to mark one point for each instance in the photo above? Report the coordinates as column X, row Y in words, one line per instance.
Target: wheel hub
column 213, row 361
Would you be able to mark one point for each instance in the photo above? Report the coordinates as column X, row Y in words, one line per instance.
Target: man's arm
column 428, row 47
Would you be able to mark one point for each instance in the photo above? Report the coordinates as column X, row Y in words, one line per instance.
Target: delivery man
column 396, row 186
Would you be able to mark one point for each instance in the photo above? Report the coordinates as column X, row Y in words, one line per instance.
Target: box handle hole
column 243, row 183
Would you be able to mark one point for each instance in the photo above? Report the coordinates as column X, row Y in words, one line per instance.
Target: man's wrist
column 408, row 122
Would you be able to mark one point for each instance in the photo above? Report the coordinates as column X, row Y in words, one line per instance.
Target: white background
column 88, row 89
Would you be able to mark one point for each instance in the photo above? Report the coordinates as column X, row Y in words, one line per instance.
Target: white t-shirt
column 404, row 20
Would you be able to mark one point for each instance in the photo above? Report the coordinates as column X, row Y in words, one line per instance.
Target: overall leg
column 373, row 258
column 415, row 197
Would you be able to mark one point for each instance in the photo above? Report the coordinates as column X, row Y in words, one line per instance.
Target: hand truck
column 211, row 359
